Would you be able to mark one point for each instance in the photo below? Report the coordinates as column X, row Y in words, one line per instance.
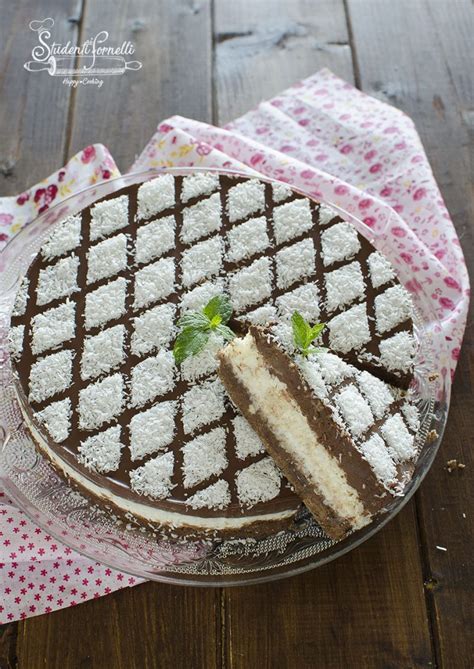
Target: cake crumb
column 451, row 465
column 432, row 436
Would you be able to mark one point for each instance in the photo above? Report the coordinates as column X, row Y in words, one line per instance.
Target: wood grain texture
column 173, row 41
column 363, row 610
column 148, row 626
column 265, row 46
column 428, row 72
column 34, row 106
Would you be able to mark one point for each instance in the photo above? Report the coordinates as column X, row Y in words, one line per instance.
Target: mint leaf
column 304, row 334
column 194, row 319
column 225, row 332
column 190, row 341
column 196, row 327
column 316, row 330
column 300, row 330
column 220, row 305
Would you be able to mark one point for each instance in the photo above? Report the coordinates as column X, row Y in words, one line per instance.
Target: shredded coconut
column 400, row 441
column 53, row 327
column 216, row 496
column 152, row 430
column 197, row 298
column 380, row 269
column 203, row 457
column 153, row 329
column 153, row 479
column 201, row 219
column 247, row 239
column 344, row 285
column 295, row 262
column 57, row 280
column 199, row 184
column 349, row 330
column 246, row 198
column 251, row 285
column 247, row 443
column 313, row 376
column 65, row 237
column 108, row 216
column 202, row 404
column 259, row 482
column 333, row 369
column 392, row 307
column 106, row 303
column 412, row 416
column 377, row 393
column 154, row 282
column 204, row 363
column 102, row 451
column 304, row 299
column 280, row 192
column 339, row 242
column 397, row 352
column 155, row 239
column 107, row 258
column 202, row 261
column 56, row 418
column 15, row 337
column 260, row 316
column 326, row 214
column 291, row 219
column 375, row 452
column 355, row 410
column 50, row 375
column 19, row 306
column 155, row 196
column 102, row 352
column 100, row 402
column 152, row 377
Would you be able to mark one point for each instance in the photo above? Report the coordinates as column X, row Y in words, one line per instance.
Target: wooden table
column 397, row 601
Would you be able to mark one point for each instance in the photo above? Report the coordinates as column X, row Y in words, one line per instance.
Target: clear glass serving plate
column 29, row 479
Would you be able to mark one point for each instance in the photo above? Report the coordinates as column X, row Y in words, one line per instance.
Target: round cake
column 96, row 316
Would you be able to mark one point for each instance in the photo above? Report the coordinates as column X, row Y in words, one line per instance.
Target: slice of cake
column 341, row 436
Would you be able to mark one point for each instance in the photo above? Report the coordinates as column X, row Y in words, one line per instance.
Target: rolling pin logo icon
column 90, row 58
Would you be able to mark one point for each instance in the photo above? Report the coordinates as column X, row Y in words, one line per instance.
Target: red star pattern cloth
column 39, row 575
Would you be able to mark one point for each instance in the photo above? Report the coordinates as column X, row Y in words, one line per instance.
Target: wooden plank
column 8, row 634
column 150, row 625
column 351, row 613
column 365, row 610
column 418, row 56
column 172, row 40
column 34, row 105
column 263, row 47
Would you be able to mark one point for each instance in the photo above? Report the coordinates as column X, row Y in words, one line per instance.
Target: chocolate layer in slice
column 339, row 435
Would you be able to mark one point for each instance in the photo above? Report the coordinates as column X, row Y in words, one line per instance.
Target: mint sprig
column 304, row 334
column 197, row 326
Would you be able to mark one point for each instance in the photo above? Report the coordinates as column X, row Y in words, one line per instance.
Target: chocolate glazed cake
column 95, row 319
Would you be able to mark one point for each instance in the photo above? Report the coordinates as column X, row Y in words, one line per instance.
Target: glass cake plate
column 29, row 479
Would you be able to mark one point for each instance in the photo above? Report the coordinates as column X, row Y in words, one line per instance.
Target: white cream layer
column 270, row 396
column 152, row 514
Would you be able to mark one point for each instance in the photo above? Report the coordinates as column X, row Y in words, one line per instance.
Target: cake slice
column 341, row 436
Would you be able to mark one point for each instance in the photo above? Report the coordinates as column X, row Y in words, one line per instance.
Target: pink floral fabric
column 322, row 136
